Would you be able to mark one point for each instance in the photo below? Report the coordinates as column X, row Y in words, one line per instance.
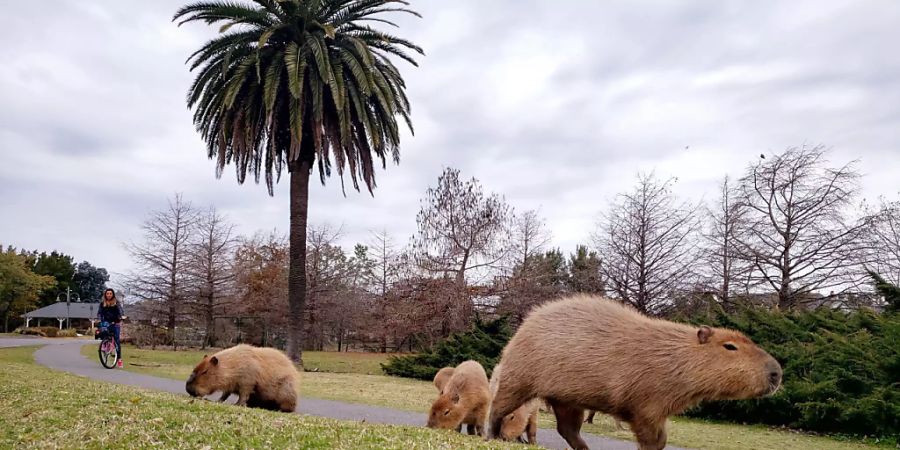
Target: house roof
column 58, row 311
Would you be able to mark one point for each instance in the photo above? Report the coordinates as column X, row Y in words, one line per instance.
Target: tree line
column 791, row 233
column 32, row 279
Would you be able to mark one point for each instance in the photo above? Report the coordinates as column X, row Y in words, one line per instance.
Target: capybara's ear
column 214, row 361
column 704, row 333
column 204, row 356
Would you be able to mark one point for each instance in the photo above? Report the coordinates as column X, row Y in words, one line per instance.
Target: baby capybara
column 261, row 377
column 465, row 399
column 587, row 352
column 523, row 420
column 441, row 378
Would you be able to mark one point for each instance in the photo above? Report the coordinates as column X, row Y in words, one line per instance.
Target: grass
column 344, row 362
column 47, row 410
column 415, row 395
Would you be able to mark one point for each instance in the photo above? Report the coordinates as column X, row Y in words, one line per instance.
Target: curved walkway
column 65, row 355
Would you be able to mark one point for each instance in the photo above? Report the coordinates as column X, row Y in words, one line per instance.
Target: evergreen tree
column 60, row 267
column 889, row 291
column 483, row 343
column 584, row 272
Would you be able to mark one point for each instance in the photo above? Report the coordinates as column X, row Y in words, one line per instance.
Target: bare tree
column 460, row 229
column 327, row 274
column 524, row 282
column 211, row 269
column 385, row 271
column 161, row 274
column 797, row 231
column 645, row 241
column 725, row 272
column 884, row 241
column 529, row 237
column 261, row 281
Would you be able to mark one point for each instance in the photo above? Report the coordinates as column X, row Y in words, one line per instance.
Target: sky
column 558, row 106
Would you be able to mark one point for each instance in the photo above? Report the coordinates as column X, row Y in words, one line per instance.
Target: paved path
column 65, row 355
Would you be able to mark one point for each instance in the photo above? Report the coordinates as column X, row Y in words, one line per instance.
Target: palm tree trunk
column 297, row 274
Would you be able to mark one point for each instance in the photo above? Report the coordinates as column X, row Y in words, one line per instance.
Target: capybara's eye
column 446, row 412
column 729, row 346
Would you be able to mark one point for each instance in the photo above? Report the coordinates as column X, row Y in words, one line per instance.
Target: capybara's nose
column 775, row 373
column 190, row 390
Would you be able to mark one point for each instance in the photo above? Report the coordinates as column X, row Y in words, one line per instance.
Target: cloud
column 557, row 107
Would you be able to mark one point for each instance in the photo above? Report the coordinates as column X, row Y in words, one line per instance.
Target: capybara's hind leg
column 590, row 417
column 568, row 423
column 650, row 434
column 224, row 396
column 470, row 429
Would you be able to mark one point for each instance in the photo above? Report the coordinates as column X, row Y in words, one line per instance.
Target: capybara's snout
column 774, row 374
column 189, row 387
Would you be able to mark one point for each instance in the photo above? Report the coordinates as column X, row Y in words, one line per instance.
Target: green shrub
column 841, row 371
column 483, row 343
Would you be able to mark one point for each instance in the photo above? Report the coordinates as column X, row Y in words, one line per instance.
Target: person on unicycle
column 111, row 312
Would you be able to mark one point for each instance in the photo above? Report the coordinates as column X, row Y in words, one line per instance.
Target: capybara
column 522, row 420
column 261, row 377
column 441, row 378
column 590, row 419
column 586, row 352
column 465, row 399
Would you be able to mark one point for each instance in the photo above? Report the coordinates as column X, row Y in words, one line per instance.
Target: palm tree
column 299, row 84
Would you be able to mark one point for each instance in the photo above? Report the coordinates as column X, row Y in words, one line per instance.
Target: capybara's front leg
column 243, row 396
column 568, row 423
column 224, row 396
column 470, row 429
column 650, row 434
column 590, row 417
column 531, row 430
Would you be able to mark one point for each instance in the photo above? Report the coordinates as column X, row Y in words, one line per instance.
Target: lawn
column 45, row 409
column 414, row 395
column 343, row 362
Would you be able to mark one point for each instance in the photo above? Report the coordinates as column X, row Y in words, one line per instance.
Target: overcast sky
column 556, row 105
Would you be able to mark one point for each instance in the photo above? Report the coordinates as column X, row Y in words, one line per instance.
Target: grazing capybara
column 441, row 378
column 465, row 399
column 522, row 420
column 261, row 377
column 586, row 352
column 590, row 419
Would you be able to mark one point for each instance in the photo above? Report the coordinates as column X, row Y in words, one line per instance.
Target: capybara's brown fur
column 586, row 352
column 465, row 399
column 261, row 377
column 441, row 378
column 522, row 420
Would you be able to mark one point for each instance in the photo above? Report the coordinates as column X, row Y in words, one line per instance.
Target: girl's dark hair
column 113, row 293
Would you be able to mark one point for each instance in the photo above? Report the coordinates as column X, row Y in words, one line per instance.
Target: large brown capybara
column 587, row 352
column 465, row 399
column 441, row 378
column 261, row 377
column 523, row 420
